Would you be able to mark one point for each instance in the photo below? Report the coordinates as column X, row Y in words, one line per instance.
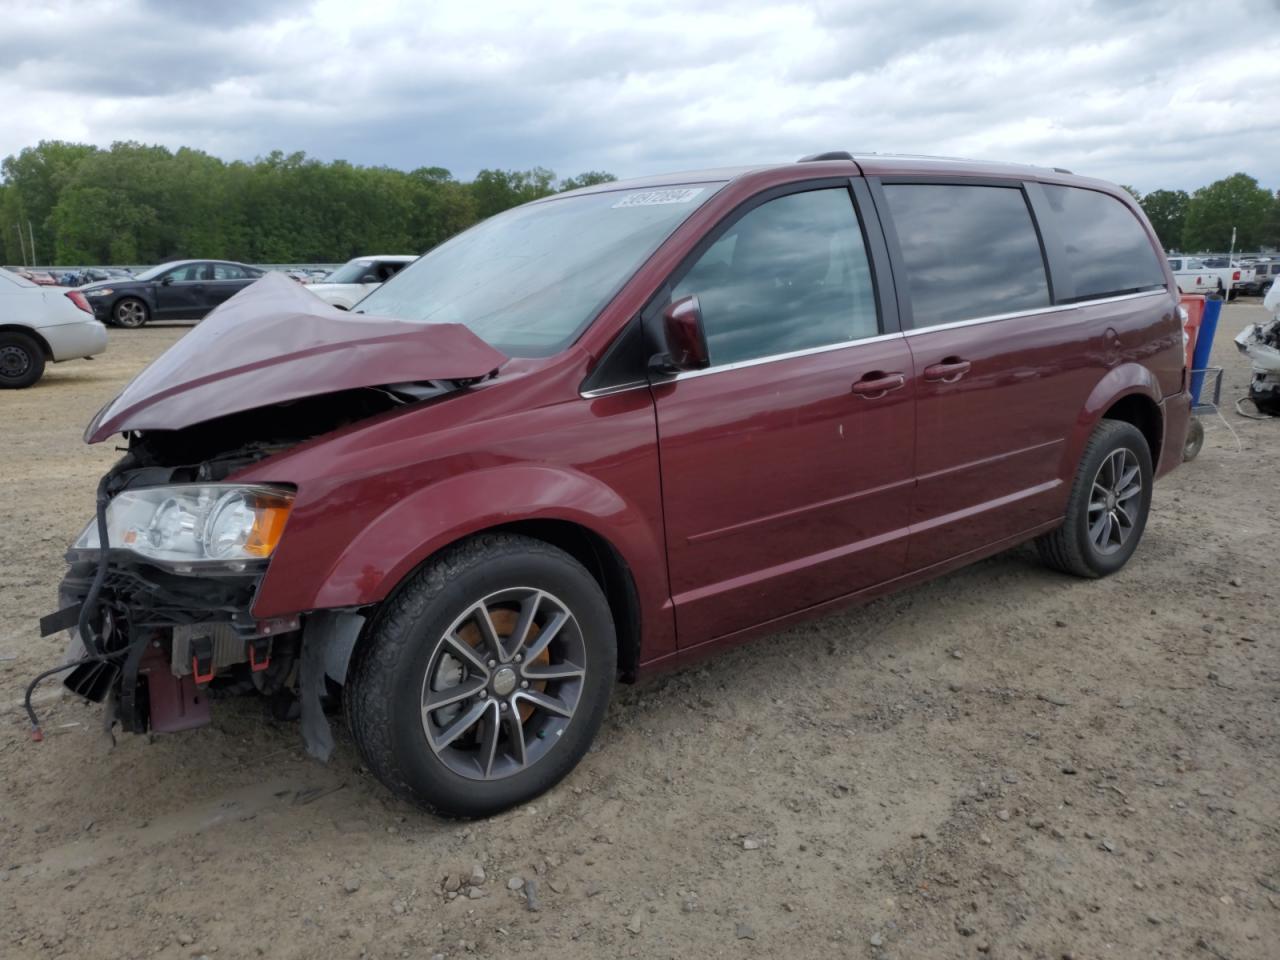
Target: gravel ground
column 1005, row 762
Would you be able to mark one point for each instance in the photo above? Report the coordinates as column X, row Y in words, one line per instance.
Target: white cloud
column 1154, row 94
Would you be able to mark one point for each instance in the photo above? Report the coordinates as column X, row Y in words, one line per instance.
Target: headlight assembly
column 100, row 292
column 206, row 524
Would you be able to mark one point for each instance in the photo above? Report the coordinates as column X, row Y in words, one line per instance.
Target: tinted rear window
column 1108, row 252
column 970, row 251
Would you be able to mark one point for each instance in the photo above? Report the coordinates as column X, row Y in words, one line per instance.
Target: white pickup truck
column 1193, row 276
column 1230, row 275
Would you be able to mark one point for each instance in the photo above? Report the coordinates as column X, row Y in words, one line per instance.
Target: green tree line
column 1202, row 221
column 137, row 204
column 134, row 203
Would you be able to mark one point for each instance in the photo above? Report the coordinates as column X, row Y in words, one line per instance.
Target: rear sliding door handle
column 878, row 384
column 948, row 371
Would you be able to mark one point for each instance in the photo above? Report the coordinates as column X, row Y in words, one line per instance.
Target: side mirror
column 166, row 280
column 686, row 337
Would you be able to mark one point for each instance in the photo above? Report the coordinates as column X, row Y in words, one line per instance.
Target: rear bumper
column 1175, row 414
column 67, row 341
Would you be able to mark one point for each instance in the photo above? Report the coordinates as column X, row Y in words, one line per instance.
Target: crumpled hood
column 273, row 342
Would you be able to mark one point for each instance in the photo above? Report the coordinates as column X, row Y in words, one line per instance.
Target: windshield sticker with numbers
column 650, row 198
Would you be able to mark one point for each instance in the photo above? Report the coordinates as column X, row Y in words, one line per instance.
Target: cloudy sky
column 1155, row 94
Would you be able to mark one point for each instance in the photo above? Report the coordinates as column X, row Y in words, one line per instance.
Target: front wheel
column 1108, row 505
column 130, row 313
column 484, row 678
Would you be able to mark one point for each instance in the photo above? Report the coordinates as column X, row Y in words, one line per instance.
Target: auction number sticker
column 651, row 198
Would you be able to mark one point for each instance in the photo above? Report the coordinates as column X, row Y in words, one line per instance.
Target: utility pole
column 32, row 235
column 22, row 244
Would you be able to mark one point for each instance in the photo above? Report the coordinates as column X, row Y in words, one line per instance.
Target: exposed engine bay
column 1261, row 343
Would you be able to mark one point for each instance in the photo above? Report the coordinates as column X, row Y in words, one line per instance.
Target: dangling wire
column 36, row 733
column 88, row 636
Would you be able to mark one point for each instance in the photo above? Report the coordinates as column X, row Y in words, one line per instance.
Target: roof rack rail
column 829, row 155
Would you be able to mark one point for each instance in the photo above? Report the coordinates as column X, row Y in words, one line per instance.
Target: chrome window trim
column 1038, row 311
column 790, row 355
column 616, row 388
column 847, row 344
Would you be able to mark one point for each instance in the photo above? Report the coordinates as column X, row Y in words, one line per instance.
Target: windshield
column 529, row 280
column 155, row 271
column 353, row 271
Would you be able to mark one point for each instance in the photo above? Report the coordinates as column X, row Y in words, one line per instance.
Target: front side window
column 792, row 274
column 969, row 251
column 187, row 272
column 1108, row 251
column 529, row 280
column 1175, row 264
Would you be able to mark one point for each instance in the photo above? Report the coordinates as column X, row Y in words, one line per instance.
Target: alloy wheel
column 131, row 313
column 1114, row 501
column 503, row 683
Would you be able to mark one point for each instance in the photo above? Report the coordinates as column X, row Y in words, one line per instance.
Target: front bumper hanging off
column 167, row 636
column 175, row 641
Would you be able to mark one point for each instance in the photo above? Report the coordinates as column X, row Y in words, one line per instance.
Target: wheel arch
column 612, row 537
column 1139, row 410
column 601, row 559
column 31, row 332
column 1129, row 392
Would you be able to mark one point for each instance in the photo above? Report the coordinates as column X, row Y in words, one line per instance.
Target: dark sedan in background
column 181, row 290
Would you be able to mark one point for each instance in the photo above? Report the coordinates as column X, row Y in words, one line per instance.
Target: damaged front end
column 163, row 621
column 160, row 588
column 1261, row 343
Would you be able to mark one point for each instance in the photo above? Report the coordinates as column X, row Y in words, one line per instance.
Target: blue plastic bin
column 1204, row 346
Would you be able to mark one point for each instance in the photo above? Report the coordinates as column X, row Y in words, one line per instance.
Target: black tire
column 21, row 360
column 386, row 682
column 1195, row 440
column 130, row 313
column 1070, row 548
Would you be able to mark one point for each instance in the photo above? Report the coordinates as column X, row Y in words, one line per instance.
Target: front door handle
column 948, row 371
column 877, row 384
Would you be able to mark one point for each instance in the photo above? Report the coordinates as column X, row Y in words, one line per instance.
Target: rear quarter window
column 1108, row 253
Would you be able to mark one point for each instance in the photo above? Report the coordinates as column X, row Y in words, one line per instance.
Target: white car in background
column 42, row 324
column 1193, row 276
column 353, row 281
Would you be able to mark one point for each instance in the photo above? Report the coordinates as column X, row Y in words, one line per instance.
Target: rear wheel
column 1108, row 505
column 130, row 313
column 485, row 677
column 21, row 361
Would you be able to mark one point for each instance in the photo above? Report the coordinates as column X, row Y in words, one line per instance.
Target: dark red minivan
column 616, row 429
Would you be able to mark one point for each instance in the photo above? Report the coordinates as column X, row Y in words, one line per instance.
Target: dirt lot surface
column 1005, row 762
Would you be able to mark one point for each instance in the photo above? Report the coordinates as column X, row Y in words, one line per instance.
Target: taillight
column 79, row 299
column 1236, row 275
